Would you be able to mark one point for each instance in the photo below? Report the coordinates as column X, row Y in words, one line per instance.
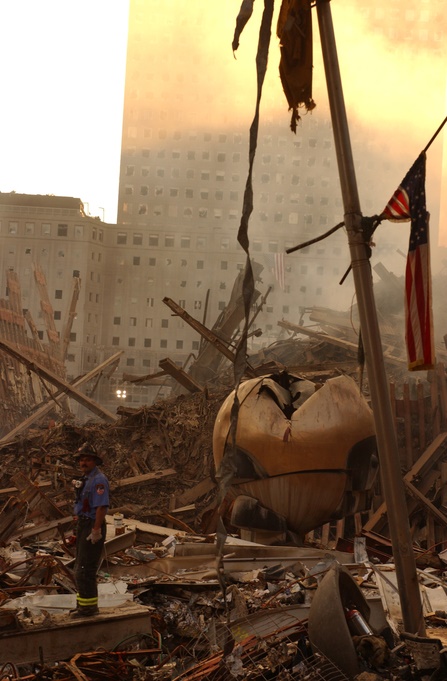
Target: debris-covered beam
column 422, row 466
column 71, row 636
column 148, row 379
column 204, row 332
column 65, row 337
column 346, row 345
column 58, row 382
column 169, row 367
column 431, row 508
column 48, row 406
column 145, row 477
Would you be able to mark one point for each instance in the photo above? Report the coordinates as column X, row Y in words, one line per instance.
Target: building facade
column 184, row 164
column 188, row 107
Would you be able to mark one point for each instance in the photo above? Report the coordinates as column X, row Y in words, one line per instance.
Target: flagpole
column 392, row 483
column 435, row 135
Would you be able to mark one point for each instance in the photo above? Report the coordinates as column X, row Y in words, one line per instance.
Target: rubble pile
column 173, row 605
column 168, row 611
column 172, row 435
column 176, row 600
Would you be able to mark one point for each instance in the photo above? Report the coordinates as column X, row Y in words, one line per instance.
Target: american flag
column 408, row 203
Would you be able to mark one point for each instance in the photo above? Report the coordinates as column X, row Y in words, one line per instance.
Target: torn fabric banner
column 294, row 30
column 408, row 203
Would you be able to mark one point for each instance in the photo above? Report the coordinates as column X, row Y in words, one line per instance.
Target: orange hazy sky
column 63, row 85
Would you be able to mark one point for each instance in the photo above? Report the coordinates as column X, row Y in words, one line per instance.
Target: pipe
column 392, row 483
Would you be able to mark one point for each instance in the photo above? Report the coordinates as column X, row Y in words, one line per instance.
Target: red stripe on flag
column 408, row 201
column 398, row 207
column 419, row 325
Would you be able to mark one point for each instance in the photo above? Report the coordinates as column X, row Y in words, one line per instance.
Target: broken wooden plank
column 16, row 509
column 201, row 329
column 183, row 509
column 58, row 382
column 180, row 375
column 425, row 483
column 157, row 378
column 425, row 462
column 196, row 492
column 227, row 326
column 325, row 533
column 12, row 516
column 36, row 530
column 29, row 489
column 210, row 336
column 147, row 528
column 427, row 503
column 11, row 491
column 434, row 451
column 340, row 529
column 146, row 477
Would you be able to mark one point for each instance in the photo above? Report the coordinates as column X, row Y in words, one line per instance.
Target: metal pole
column 393, row 487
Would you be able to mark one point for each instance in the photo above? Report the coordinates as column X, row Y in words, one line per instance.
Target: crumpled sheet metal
column 328, row 628
column 304, row 460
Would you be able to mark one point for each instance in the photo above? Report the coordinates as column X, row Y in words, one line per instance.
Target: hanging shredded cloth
column 244, row 15
column 294, row 31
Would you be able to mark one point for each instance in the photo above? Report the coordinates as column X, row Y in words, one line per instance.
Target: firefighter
column 90, row 509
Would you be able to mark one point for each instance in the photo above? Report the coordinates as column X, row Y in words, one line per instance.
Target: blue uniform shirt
column 94, row 493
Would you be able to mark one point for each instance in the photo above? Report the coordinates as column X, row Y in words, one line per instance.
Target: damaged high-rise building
column 188, row 108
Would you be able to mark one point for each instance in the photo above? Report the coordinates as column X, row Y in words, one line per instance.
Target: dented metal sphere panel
column 300, row 453
column 317, row 435
column 306, row 500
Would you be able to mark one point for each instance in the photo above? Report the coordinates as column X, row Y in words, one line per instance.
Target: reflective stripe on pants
column 88, row 556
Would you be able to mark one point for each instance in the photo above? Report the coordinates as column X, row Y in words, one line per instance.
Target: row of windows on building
column 47, row 229
column 224, row 157
column 147, row 343
column 73, row 336
column 207, row 137
column 60, row 253
column 168, row 262
column 220, row 157
column 224, row 265
column 232, row 196
column 178, row 344
column 222, row 175
column 172, row 211
column 164, row 323
column 193, row 136
column 174, row 192
column 186, row 241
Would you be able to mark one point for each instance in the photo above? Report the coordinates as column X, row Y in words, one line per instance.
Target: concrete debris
column 282, row 611
column 179, row 600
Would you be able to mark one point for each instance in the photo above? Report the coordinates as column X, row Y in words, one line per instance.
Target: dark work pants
column 88, row 556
